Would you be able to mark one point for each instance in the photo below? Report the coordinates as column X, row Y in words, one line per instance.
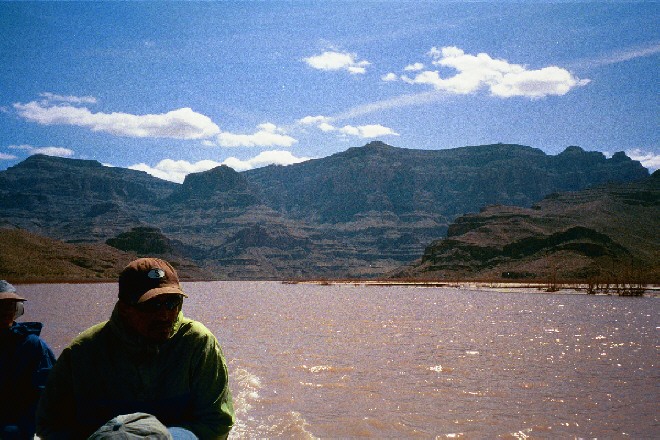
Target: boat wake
column 261, row 417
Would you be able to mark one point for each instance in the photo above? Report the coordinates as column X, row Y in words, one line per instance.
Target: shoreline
column 650, row 290
column 575, row 287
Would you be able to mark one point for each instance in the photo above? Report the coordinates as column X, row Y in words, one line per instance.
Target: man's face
column 154, row 319
column 7, row 312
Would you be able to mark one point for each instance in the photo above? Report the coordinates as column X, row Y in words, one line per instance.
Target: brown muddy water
column 309, row 361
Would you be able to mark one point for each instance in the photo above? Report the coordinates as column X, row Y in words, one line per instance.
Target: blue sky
column 174, row 88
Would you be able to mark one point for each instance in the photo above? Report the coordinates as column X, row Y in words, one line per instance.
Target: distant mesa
column 606, row 232
column 207, row 183
column 220, row 187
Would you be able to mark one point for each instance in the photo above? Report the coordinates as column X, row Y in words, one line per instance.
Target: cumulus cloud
column 313, row 120
column 501, row 78
column 177, row 170
column 182, row 123
column 368, row 131
column 326, row 127
column 48, row 151
column 648, row 159
column 273, row 157
column 389, row 77
column 362, row 131
column 267, row 135
column 332, row 60
column 321, row 122
column 414, row 67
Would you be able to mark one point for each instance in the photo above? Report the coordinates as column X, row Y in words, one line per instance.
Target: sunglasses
column 156, row 304
column 8, row 307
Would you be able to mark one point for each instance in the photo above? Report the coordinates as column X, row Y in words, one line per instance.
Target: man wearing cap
column 25, row 360
column 146, row 359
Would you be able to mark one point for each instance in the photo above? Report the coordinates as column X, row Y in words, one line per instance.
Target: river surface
column 311, row 361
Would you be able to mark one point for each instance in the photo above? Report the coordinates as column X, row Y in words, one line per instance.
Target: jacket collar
column 25, row 328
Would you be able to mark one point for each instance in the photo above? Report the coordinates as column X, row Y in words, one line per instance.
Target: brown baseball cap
column 7, row 291
column 146, row 278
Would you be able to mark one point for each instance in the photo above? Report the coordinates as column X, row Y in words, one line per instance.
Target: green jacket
column 108, row 371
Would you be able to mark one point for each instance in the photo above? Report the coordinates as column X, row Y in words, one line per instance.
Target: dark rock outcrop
column 142, row 240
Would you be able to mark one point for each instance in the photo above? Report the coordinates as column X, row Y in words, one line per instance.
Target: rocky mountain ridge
column 358, row 213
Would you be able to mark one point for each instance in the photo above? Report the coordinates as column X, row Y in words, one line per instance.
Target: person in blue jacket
column 25, row 361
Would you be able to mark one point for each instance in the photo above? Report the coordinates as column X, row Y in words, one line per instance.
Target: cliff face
column 442, row 183
column 83, row 180
column 77, row 200
column 221, row 187
column 606, row 232
column 362, row 212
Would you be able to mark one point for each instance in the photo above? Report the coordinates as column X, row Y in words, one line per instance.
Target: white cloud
column 273, row 157
column 502, row 78
column 650, row 160
column 537, row 83
column 321, row 122
column 389, row 77
column 313, row 120
column 396, row 102
column 332, row 60
column 52, row 97
column 363, row 131
column 48, row 151
column 621, row 56
column 4, row 156
column 326, row 127
column 183, row 123
column 177, row 170
column 431, row 78
column 414, row 67
column 267, row 135
column 368, row 131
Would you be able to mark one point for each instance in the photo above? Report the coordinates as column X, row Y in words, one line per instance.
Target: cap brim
column 10, row 295
column 167, row 290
